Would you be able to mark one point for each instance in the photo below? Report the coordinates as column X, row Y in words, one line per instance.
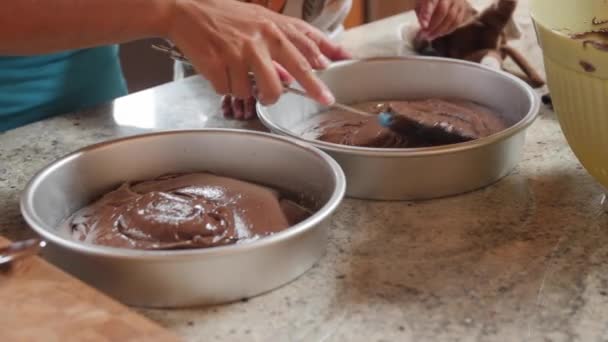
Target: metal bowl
column 418, row 173
column 197, row 276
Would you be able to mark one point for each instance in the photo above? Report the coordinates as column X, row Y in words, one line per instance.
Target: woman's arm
column 224, row 39
column 43, row 26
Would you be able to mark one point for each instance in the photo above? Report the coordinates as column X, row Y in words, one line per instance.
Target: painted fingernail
column 257, row 95
column 263, row 101
column 323, row 62
column 343, row 55
column 327, row 97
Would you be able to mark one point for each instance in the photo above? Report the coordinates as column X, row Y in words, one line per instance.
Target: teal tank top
column 35, row 87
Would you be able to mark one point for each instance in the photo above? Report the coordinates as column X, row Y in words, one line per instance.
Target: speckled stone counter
column 524, row 259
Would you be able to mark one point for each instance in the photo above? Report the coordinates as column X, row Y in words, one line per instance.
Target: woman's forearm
column 224, row 39
column 44, row 26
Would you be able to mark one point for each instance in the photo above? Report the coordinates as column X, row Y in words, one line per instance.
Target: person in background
column 436, row 18
column 60, row 56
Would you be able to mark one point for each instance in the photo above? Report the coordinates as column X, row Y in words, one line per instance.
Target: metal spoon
column 20, row 249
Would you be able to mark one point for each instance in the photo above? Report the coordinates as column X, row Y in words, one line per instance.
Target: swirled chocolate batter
column 184, row 211
column 462, row 117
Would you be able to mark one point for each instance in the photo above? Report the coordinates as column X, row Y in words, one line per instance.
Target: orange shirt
column 326, row 15
column 275, row 5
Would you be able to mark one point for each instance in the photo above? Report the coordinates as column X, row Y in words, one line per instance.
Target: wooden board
column 39, row 302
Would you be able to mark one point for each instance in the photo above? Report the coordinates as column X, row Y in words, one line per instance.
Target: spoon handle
column 335, row 105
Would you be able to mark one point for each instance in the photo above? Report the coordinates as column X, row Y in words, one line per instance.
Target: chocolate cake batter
column 345, row 128
column 184, row 211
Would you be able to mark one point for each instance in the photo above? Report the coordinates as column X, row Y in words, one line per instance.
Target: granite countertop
column 524, row 259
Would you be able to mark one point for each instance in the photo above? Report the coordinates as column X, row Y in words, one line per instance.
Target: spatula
column 401, row 124
column 437, row 134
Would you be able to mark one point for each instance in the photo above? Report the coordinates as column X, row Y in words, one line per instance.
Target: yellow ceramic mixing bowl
column 577, row 77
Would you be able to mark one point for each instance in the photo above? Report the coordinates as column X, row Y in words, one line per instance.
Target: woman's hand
column 225, row 40
column 440, row 17
column 244, row 109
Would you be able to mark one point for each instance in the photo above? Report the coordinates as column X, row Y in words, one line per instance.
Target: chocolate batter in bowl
column 171, row 220
column 195, row 210
column 389, row 167
column 346, row 128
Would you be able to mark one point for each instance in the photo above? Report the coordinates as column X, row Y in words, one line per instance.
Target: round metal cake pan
column 178, row 278
column 418, row 173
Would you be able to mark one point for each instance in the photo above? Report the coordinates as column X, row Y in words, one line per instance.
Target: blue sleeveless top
column 36, row 87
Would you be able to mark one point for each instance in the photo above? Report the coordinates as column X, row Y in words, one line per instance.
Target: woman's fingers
column 233, row 106
column 332, row 51
column 238, row 38
column 309, row 49
column 218, row 74
column 314, row 45
column 227, row 106
column 268, row 84
column 239, row 80
column 448, row 24
column 283, row 74
column 424, row 12
column 238, row 108
column 458, row 14
column 249, row 108
column 439, row 15
column 460, row 17
column 288, row 56
column 328, row 49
